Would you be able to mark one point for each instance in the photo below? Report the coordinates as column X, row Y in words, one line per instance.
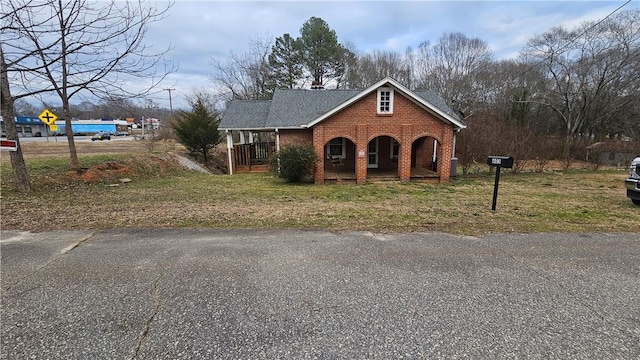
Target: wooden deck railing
column 246, row 155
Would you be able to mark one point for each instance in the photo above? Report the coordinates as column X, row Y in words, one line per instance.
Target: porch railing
column 246, row 155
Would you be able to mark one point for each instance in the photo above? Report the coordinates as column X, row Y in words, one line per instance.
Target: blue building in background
column 28, row 126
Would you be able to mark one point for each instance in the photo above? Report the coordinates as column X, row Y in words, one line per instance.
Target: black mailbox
column 500, row 161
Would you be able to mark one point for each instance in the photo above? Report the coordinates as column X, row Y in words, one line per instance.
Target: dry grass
column 163, row 196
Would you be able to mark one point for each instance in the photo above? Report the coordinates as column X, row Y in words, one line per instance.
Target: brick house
column 383, row 132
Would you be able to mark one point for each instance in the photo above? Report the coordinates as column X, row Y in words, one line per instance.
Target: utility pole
column 170, row 104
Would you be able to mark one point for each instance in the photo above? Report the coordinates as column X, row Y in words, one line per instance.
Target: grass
column 163, row 196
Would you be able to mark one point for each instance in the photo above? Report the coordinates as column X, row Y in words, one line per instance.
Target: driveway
column 194, row 294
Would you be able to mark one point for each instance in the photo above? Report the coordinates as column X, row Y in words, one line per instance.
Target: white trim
column 397, row 86
column 392, row 142
column 376, row 143
column 435, row 150
column 453, row 146
column 263, row 129
column 277, row 140
column 229, row 147
column 379, row 101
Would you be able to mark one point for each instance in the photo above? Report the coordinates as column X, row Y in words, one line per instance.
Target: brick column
column 318, row 144
column 446, row 151
column 361, row 146
column 404, row 158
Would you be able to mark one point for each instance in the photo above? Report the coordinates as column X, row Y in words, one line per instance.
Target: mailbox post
column 499, row 162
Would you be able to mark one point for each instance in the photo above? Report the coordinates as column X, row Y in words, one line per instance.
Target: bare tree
column 246, row 76
column 454, row 67
column 509, row 89
column 24, row 108
column 81, row 48
column 593, row 73
column 378, row 64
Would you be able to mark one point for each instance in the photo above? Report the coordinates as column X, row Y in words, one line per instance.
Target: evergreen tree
column 197, row 129
column 321, row 50
column 286, row 62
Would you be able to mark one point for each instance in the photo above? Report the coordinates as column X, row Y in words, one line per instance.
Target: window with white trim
column 385, row 101
column 395, row 149
column 337, row 148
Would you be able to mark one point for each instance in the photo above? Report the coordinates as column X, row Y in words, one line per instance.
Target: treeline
column 566, row 89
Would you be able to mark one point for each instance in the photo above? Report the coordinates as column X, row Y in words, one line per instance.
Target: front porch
column 375, row 175
column 252, row 157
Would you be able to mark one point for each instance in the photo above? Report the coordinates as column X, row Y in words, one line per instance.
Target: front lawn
column 161, row 195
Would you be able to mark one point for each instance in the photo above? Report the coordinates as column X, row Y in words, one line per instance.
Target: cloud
column 201, row 30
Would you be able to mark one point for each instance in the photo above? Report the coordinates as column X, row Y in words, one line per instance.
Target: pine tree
column 286, row 61
column 197, row 129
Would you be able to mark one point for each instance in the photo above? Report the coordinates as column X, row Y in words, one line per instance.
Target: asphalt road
column 212, row 294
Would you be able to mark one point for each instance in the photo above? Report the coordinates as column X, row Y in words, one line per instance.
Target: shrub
column 294, row 163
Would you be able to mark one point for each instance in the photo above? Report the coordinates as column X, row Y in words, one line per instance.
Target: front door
column 372, row 154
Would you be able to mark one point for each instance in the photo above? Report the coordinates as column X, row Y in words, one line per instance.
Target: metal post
column 495, row 189
column 170, row 104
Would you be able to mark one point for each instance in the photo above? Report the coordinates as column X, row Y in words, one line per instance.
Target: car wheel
column 93, row 139
column 637, row 202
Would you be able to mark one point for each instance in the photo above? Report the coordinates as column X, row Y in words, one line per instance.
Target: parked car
column 121, row 133
column 102, row 135
column 633, row 182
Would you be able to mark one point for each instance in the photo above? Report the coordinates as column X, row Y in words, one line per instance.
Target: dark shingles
column 292, row 108
column 437, row 101
column 245, row 114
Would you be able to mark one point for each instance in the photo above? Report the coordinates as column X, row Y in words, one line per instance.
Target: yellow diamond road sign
column 47, row 117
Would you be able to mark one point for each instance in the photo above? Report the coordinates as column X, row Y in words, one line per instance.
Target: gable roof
column 296, row 109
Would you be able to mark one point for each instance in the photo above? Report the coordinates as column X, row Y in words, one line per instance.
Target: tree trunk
column 75, row 164
column 21, row 177
column 204, row 154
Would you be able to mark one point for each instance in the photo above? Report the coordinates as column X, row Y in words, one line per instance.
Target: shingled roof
column 295, row 109
column 246, row 115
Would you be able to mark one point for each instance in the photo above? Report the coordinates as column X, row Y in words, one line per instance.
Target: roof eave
column 263, row 128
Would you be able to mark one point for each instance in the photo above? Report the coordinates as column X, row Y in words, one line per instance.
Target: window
column 395, row 149
column 337, row 147
column 385, row 101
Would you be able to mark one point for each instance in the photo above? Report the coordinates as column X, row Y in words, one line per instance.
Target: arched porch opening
column 425, row 154
column 383, row 154
column 339, row 160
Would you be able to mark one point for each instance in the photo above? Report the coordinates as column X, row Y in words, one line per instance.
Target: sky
column 199, row 31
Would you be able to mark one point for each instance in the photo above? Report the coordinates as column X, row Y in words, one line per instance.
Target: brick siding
column 409, row 123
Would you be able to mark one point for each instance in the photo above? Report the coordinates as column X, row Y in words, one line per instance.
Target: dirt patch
column 110, row 171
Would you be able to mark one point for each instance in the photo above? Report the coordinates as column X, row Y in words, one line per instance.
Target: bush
column 294, row 163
